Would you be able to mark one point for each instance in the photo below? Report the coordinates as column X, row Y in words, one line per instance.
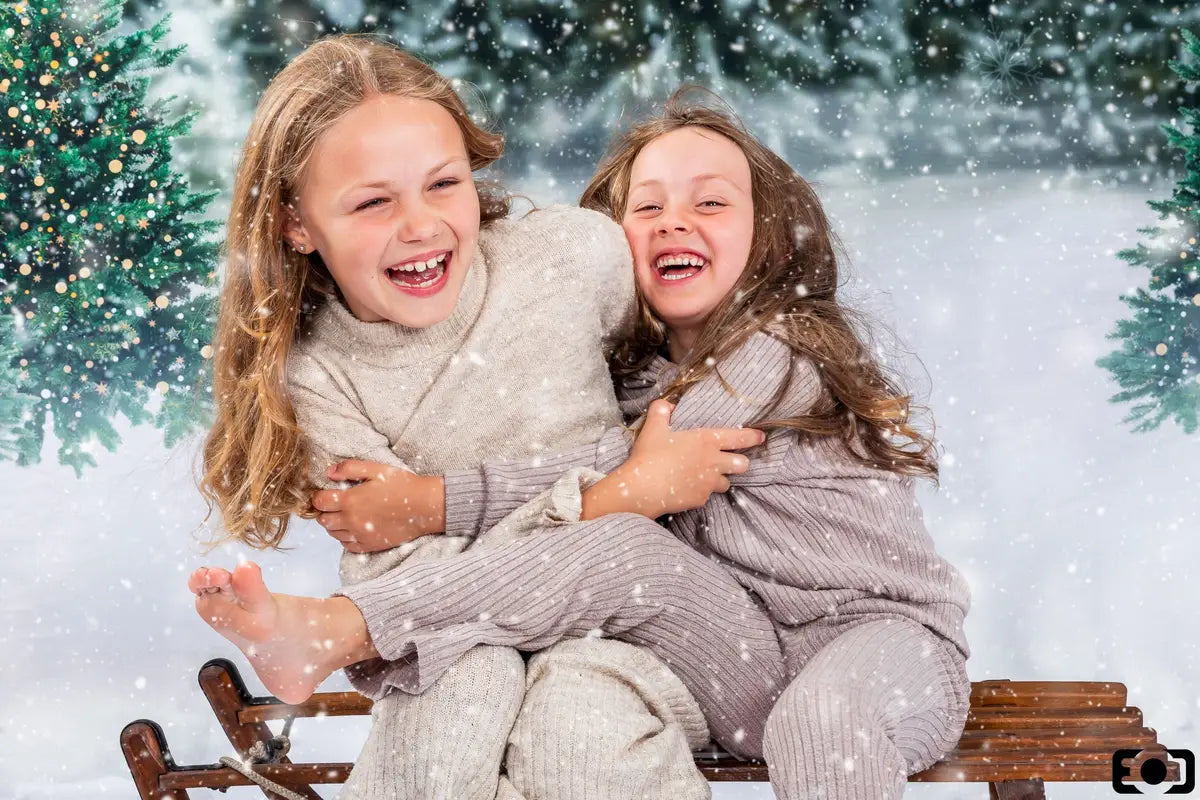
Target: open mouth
column 680, row 266
column 418, row 275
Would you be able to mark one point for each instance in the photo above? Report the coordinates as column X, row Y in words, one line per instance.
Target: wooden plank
column 218, row 777
column 1061, row 694
column 1035, row 755
column 327, row 704
column 1058, row 738
column 1015, row 719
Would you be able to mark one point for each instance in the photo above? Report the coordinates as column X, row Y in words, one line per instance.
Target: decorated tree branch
column 106, row 263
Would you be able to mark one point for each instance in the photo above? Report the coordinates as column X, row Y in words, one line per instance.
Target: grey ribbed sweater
column 812, row 532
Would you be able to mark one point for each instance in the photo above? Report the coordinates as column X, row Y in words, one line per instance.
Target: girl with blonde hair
column 378, row 306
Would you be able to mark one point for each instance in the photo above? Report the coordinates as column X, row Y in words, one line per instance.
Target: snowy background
column 1000, row 279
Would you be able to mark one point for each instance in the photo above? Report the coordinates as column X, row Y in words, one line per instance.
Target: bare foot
column 293, row 643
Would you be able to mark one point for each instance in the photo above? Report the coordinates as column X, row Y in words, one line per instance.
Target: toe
column 248, row 585
column 196, row 581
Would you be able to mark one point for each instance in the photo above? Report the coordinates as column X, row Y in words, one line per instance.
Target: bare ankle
column 354, row 640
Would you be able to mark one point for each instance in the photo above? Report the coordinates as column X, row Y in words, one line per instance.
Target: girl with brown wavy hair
column 739, row 324
column 378, row 306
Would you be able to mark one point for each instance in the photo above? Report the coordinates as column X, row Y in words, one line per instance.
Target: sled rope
column 268, row 752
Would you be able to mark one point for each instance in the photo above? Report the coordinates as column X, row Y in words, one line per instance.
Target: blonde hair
column 255, row 460
column 794, row 248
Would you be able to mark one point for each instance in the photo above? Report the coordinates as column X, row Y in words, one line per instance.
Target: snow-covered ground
column 1076, row 535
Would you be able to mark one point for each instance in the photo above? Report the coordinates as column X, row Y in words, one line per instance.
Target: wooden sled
column 1018, row 736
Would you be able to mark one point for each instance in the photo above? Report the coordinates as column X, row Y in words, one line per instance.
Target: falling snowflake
column 172, row 334
column 1004, row 63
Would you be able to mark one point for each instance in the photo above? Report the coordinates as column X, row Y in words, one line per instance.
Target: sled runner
column 1018, row 736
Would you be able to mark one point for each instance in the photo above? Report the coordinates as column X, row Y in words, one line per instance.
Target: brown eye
column 370, row 203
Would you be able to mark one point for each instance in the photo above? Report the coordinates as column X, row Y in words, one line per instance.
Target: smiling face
column 389, row 203
column 689, row 219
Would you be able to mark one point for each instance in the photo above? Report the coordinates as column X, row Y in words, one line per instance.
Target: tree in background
column 105, row 267
column 1097, row 72
column 1160, row 347
column 1091, row 78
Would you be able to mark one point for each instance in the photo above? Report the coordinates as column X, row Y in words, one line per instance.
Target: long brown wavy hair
column 788, row 289
column 255, row 461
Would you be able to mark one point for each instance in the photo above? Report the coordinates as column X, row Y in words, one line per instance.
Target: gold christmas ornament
column 206, row 351
column 114, row 166
column 161, row 301
column 138, row 136
column 162, row 387
column 25, row 269
column 1161, row 349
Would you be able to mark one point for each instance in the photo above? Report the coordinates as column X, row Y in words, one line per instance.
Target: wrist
column 434, row 494
column 609, row 495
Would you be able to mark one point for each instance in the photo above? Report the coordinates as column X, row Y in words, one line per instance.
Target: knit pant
column 604, row 719
column 870, row 704
column 448, row 742
column 622, row 576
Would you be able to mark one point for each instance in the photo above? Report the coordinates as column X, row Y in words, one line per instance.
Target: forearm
column 477, row 499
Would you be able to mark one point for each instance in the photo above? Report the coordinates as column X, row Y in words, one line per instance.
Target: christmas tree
column 106, row 266
column 1156, row 365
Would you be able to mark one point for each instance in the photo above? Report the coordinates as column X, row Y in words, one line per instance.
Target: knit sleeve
column 477, row 499
column 332, row 424
column 754, row 373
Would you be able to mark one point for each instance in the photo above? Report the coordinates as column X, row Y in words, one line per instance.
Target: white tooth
column 431, row 263
column 440, row 258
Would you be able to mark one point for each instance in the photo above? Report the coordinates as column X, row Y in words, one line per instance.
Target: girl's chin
column 677, row 316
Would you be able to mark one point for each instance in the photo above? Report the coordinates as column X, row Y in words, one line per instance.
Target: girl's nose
column 673, row 223
column 417, row 225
